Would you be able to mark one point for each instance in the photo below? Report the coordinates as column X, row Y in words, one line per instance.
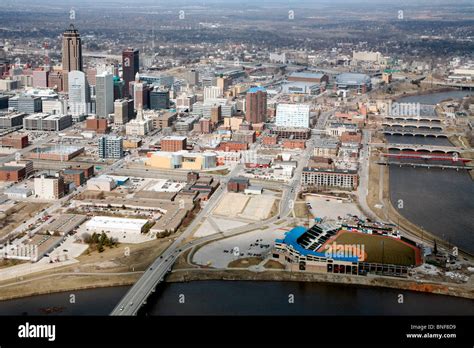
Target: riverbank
column 379, row 201
column 118, row 266
column 457, row 290
column 66, row 283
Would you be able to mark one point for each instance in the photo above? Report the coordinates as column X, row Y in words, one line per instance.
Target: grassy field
column 392, row 252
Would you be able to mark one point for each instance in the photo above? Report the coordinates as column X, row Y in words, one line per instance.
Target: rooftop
column 174, row 138
column 256, row 89
column 352, row 78
column 310, row 75
column 329, row 171
column 115, row 222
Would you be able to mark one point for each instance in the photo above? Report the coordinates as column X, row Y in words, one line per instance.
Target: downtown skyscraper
column 130, row 66
column 71, row 53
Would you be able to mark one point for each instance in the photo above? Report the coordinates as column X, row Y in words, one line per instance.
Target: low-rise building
column 101, row 183
column 347, row 179
column 107, row 224
column 47, row 122
column 294, row 144
column 75, row 176
column 238, row 184
column 14, row 174
column 10, row 120
column 17, row 141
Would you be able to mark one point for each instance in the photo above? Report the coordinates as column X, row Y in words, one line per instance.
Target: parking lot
column 253, row 244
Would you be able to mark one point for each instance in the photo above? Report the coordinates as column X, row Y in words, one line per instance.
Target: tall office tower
column 256, row 105
column 71, row 53
column 141, row 93
column 212, row 92
column 72, row 50
column 104, row 94
column 192, row 77
column 292, row 115
column 110, row 147
column 79, row 93
column 118, row 88
column 130, row 66
column 216, row 114
column 159, row 99
column 121, row 112
column 223, row 83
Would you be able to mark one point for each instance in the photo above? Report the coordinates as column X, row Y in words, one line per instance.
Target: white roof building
column 109, row 224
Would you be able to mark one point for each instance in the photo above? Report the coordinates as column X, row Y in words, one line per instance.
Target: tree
column 86, row 237
column 435, row 250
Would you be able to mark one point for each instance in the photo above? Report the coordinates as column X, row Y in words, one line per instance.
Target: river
column 249, row 298
column 440, row 201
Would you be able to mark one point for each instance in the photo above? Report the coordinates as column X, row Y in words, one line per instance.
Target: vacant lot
column 380, row 249
column 259, row 208
column 232, row 204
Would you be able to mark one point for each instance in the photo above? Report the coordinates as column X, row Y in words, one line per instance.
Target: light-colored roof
column 115, row 223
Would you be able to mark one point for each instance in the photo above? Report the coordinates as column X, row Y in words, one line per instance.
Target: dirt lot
column 245, row 262
column 23, row 211
column 116, row 260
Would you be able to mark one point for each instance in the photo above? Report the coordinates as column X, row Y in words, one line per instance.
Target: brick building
column 173, row 143
column 15, row 141
column 294, row 144
column 98, row 125
column 15, row 174
column 234, row 146
column 238, row 184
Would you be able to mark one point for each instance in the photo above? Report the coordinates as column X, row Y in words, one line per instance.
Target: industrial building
column 99, row 224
